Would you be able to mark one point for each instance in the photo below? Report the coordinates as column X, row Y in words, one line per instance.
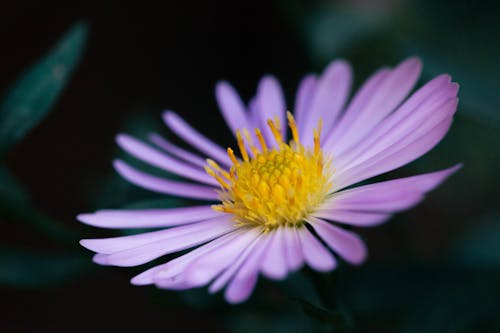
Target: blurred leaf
column 36, row 91
column 33, row 270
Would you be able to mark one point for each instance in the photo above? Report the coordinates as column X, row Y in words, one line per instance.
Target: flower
column 283, row 203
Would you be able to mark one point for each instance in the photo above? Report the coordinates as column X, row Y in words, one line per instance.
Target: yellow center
column 273, row 187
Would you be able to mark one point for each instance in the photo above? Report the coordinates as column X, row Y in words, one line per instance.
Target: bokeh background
column 74, row 74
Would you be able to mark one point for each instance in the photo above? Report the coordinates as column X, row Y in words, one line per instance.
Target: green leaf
column 25, row 269
column 36, row 91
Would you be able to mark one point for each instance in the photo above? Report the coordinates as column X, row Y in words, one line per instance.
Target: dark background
column 432, row 269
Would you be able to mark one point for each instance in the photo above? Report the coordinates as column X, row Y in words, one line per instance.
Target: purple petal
column 117, row 244
column 293, row 250
column 136, row 250
column 195, row 138
column 315, row 254
column 158, row 159
column 345, row 243
column 356, row 218
column 208, row 266
column 244, row 281
column 390, row 93
column 274, row 264
column 177, row 266
column 408, row 149
column 271, row 105
column 384, row 197
column 305, row 92
column 148, row 218
column 223, row 278
column 176, row 151
column 329, row 98
column 428, row 106
column 355, row 107
column 162, row 185
column 231, row 107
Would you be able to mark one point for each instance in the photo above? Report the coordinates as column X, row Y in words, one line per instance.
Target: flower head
column 278, row 203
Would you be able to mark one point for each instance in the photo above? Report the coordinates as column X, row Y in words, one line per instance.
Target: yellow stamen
column 293, row 126
column 262, row 142
column 241, row 145
column 275, row 131
column 276, row 187
column 233, row 159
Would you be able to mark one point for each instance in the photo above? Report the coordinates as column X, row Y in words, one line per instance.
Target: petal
column 363, row 219
column 148, row 218
column 223, row 278
column 195, row 138
column 271, row 105
column 174, row 242
column 305, row 92
column 241, row 286
column 329, row 98
column 315, row 254
column 345, row 243
column 231, row 107
column 406, row 150
column 436, row 100
column 176, row 266
column 356, row 106
column 162, row 185
column 208, row 266
column 274, row 264
column 176, row 151
column 161, row 160
column 386, row 197
column 389, row 94
column 293, row 250
column 117, row 244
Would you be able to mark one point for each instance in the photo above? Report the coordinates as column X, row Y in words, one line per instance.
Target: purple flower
column 282, row 204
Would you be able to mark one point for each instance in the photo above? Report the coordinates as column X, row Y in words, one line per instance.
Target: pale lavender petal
column 315, row 254
column 271, row 105
column 274, row 264
column 240, row 289
column 166, row 186
column 249, row 269
column 208, row 266
column 161, row 160
column 174, row 150
column 293, row 250
column 425, row 106
column 408, row 149
column 176, row 266
column 223, row 278
column 355, row 107
column 231, row 107
column 305, row 92
column 152, row 250
column 389, row 196
column 346, row 244
column 195, row 138
column 117, row 244
column 148, row 218
column 355, row 218
column 329, row 97
column 390, row 93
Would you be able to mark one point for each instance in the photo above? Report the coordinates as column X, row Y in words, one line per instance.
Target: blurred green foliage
column 26, row 103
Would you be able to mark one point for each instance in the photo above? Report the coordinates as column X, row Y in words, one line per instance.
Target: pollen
column 273, row 186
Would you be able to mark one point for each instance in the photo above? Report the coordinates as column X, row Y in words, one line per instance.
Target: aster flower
column 280, row 202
